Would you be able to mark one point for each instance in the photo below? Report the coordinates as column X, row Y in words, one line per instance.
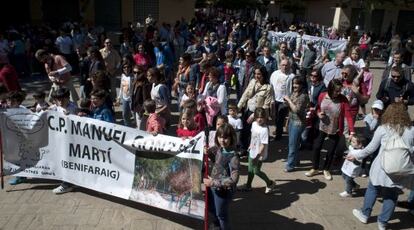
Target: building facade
column 377, row 18
column 111, row 14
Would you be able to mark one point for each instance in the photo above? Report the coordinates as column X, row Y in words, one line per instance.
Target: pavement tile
column 20, row 221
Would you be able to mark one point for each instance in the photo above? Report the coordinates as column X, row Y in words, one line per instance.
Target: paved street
column 298, row 203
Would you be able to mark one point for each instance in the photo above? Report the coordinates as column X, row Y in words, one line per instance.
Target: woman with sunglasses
column 124, row 97
column 141, row 91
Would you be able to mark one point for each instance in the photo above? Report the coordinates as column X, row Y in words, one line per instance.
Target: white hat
column 378, row 105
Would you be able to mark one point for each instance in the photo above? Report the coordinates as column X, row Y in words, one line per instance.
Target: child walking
column 155, row 123
column 224, row 175
column 258, row 151
column 351, row 169
column 235, row 121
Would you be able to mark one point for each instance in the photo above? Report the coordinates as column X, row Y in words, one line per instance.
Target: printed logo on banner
column 160, row 171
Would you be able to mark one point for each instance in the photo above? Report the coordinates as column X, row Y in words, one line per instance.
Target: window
column 144, row 7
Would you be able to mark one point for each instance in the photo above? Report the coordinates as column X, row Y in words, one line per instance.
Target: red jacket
column 186, row 133
column 344, row 114
column 9, row 78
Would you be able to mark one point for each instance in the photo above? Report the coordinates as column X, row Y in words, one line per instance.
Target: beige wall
column 321, row 11
column 172, row 10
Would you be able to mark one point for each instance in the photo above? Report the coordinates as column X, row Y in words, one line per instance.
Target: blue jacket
column 271, row 65
column 103, row 113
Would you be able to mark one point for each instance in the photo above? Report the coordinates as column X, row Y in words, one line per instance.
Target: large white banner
column 321, row 43
column 160, row 171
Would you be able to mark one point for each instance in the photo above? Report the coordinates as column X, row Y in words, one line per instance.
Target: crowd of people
column 200, row 64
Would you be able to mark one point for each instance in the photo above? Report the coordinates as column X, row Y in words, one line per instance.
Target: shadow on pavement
column 177, row 218
column 256, row 210
column 406, row 221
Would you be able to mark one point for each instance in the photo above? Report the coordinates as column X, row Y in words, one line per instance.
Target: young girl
column 258, row 151
column 187, row 128
column 155, row 123
column 355, row 59
column 224, row 175
column 372, row 121
column 221, row 120
column 351, row 169
column 124, row 97
column 40, row 102
column 188, row 94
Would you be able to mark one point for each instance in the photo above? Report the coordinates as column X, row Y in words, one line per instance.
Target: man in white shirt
column 281, row 83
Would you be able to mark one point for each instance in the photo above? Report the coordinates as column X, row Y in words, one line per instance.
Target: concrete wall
column 172, row 10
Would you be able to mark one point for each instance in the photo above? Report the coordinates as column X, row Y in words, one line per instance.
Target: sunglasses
column 395, row 76
column 135, row 72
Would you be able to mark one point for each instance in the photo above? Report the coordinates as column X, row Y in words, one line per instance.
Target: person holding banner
column 61, row 97
column 58, row 70
column 221, row 184
column 14, row 101
column 100, row 109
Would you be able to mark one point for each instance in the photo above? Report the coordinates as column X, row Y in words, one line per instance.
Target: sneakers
column 270, row 188
column 17, row 180
column 345, row 194
column 311, row 173
column 327, row 175
column 288, row 170
column 364, row 175
column 360, row 216
column 381, row 226
column 62, row 189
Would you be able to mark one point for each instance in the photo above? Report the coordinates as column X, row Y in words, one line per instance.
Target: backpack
column 395, row 158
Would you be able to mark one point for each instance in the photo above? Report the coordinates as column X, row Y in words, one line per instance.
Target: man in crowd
column 332, row 69
column 112, row 64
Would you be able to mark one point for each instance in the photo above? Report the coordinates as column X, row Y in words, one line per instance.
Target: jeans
column 281, row 111
column 295, row 131
column 349, row 183
column 390, row 197
column 317, row 147
column 126, row 112
column 254, row 169
column 218, row 203
column 411, row 200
